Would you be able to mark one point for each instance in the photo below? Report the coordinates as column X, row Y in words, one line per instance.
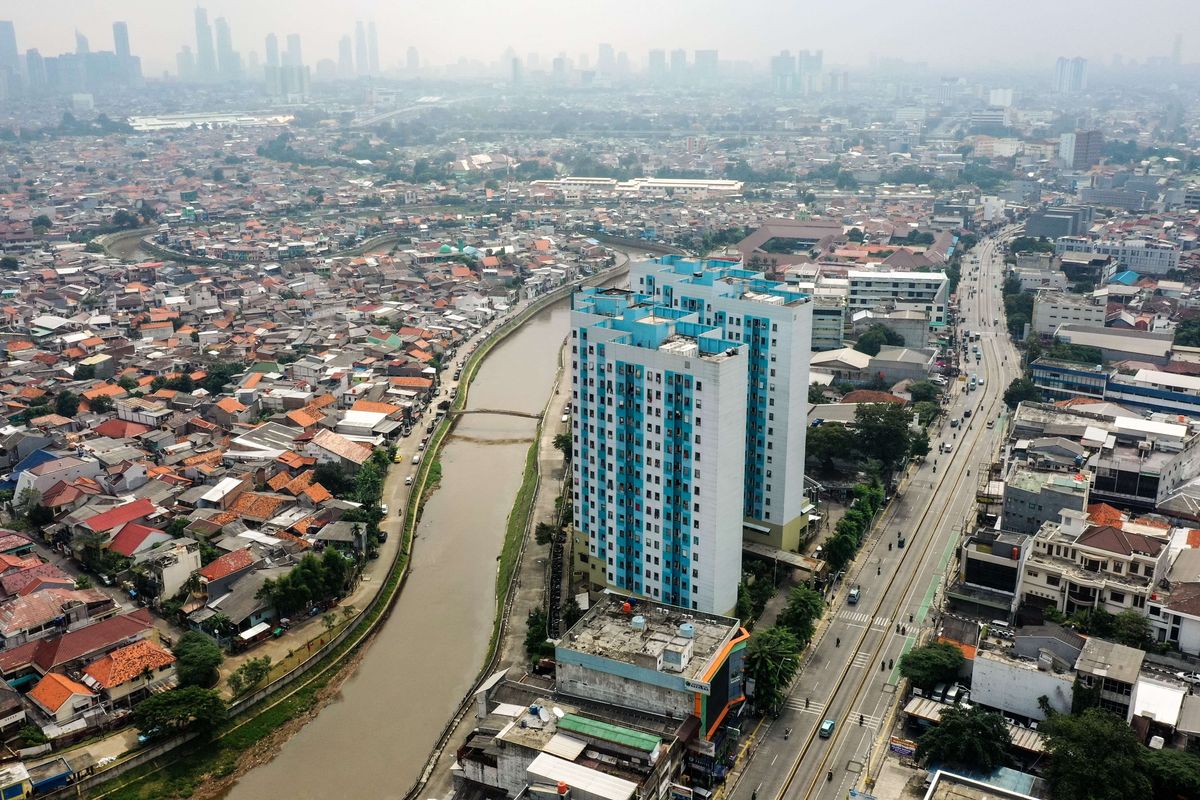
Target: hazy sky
column 945, row 33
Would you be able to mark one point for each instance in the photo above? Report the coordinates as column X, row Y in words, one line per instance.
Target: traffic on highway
column 842, row 703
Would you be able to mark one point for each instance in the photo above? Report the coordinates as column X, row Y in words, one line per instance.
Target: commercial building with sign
column 660, row 660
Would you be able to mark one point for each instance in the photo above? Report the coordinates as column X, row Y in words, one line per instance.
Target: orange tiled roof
column 53, row 690
column 126, row 663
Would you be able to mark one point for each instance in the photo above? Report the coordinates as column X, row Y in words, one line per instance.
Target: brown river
column 373, row 740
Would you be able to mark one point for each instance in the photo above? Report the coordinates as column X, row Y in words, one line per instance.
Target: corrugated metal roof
column 609, row 732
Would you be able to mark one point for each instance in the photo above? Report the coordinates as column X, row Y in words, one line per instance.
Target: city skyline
column 159, row 32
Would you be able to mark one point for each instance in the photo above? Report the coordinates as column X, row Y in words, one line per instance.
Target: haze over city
column 1023, row 34
column 600, row 401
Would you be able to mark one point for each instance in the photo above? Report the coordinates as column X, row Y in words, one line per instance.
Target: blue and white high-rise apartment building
column 689, row 401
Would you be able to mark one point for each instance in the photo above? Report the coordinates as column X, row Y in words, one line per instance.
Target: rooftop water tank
column 687, row 630
column 638, row 623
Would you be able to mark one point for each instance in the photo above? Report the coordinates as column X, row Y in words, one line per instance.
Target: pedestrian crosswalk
column 862, row 620
column 860, row 660
column 813, row 707
column 871, row 721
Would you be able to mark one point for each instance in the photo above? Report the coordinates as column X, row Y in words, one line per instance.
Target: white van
column 417, row 458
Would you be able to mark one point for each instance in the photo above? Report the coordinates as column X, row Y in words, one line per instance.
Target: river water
column 373, row 740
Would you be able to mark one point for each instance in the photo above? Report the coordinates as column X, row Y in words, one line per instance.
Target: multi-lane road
column 850, row 675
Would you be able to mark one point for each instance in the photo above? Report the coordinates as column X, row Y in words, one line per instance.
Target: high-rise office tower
column 412, row 61
column 228, row 62
column 10, row 59
column 121, row 40
column 35, row 70
column 679, row 64
column 372, row 48
column 606, row 59
column 783, row 73
column 82, row 48
column 1081, row 150
column 1177, row 50
column 656, row 64
column 292, row 57
column 272, row 50
column 185, row 64
column 706, row 64
column 206, row 56
column 360, row 48
column 1070, row 75
column 809, row 67
column 514, row 66
column 345, row 64
column 688, row 403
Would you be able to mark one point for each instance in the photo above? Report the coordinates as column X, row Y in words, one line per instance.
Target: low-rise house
column 328, row 447
column 130, row 672
column 51, row 611
column 61, row 699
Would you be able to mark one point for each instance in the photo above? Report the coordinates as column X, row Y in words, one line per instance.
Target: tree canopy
column 883, row 431
column 827, row 442
column 974, row 739
column 800, row 615
column 1094, row 756
column 196, row 659
column 772, row 658
column 923, row 391
column 1187, row 333
column 1021, row 390
column 178, row 710
column 931, row 664
column 873, row 339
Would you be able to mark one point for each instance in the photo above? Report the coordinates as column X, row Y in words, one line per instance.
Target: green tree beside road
column 1095, row 756
column 800, row 615
column 931, row 664
column 975, row 739
column 189, row 707
column 772, row 659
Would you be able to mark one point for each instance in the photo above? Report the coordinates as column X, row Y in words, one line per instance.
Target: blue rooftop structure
column 1125, row 278
column 34, row 459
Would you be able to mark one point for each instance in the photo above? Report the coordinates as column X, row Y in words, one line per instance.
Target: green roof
column 609, row 733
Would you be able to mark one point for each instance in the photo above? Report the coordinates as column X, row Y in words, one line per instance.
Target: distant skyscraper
column 81, row 44
column 1177, row 50
column 185, row 64
column 783, row 73
column 515, row 69
column 345, row 63
column 656, row 64
column 412, row 61
column 293, row 57
column 809, row 66
column 206, row 56
column 35, row 70
column 1070, row 75
column 372, row 48
column 706, row 64
column 121, row 40
column 606, row 61
column 10, row 59
column 228, row 63
column 360, row 48
column 272, row 50
column 679, row 63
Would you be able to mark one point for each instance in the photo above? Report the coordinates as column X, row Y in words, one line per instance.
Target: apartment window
column 1117, row 597
column 1052, row 580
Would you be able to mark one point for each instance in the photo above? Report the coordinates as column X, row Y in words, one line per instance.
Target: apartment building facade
column 773, row 324
column 1142, row 255
column 906, row 291
column 658, row 409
